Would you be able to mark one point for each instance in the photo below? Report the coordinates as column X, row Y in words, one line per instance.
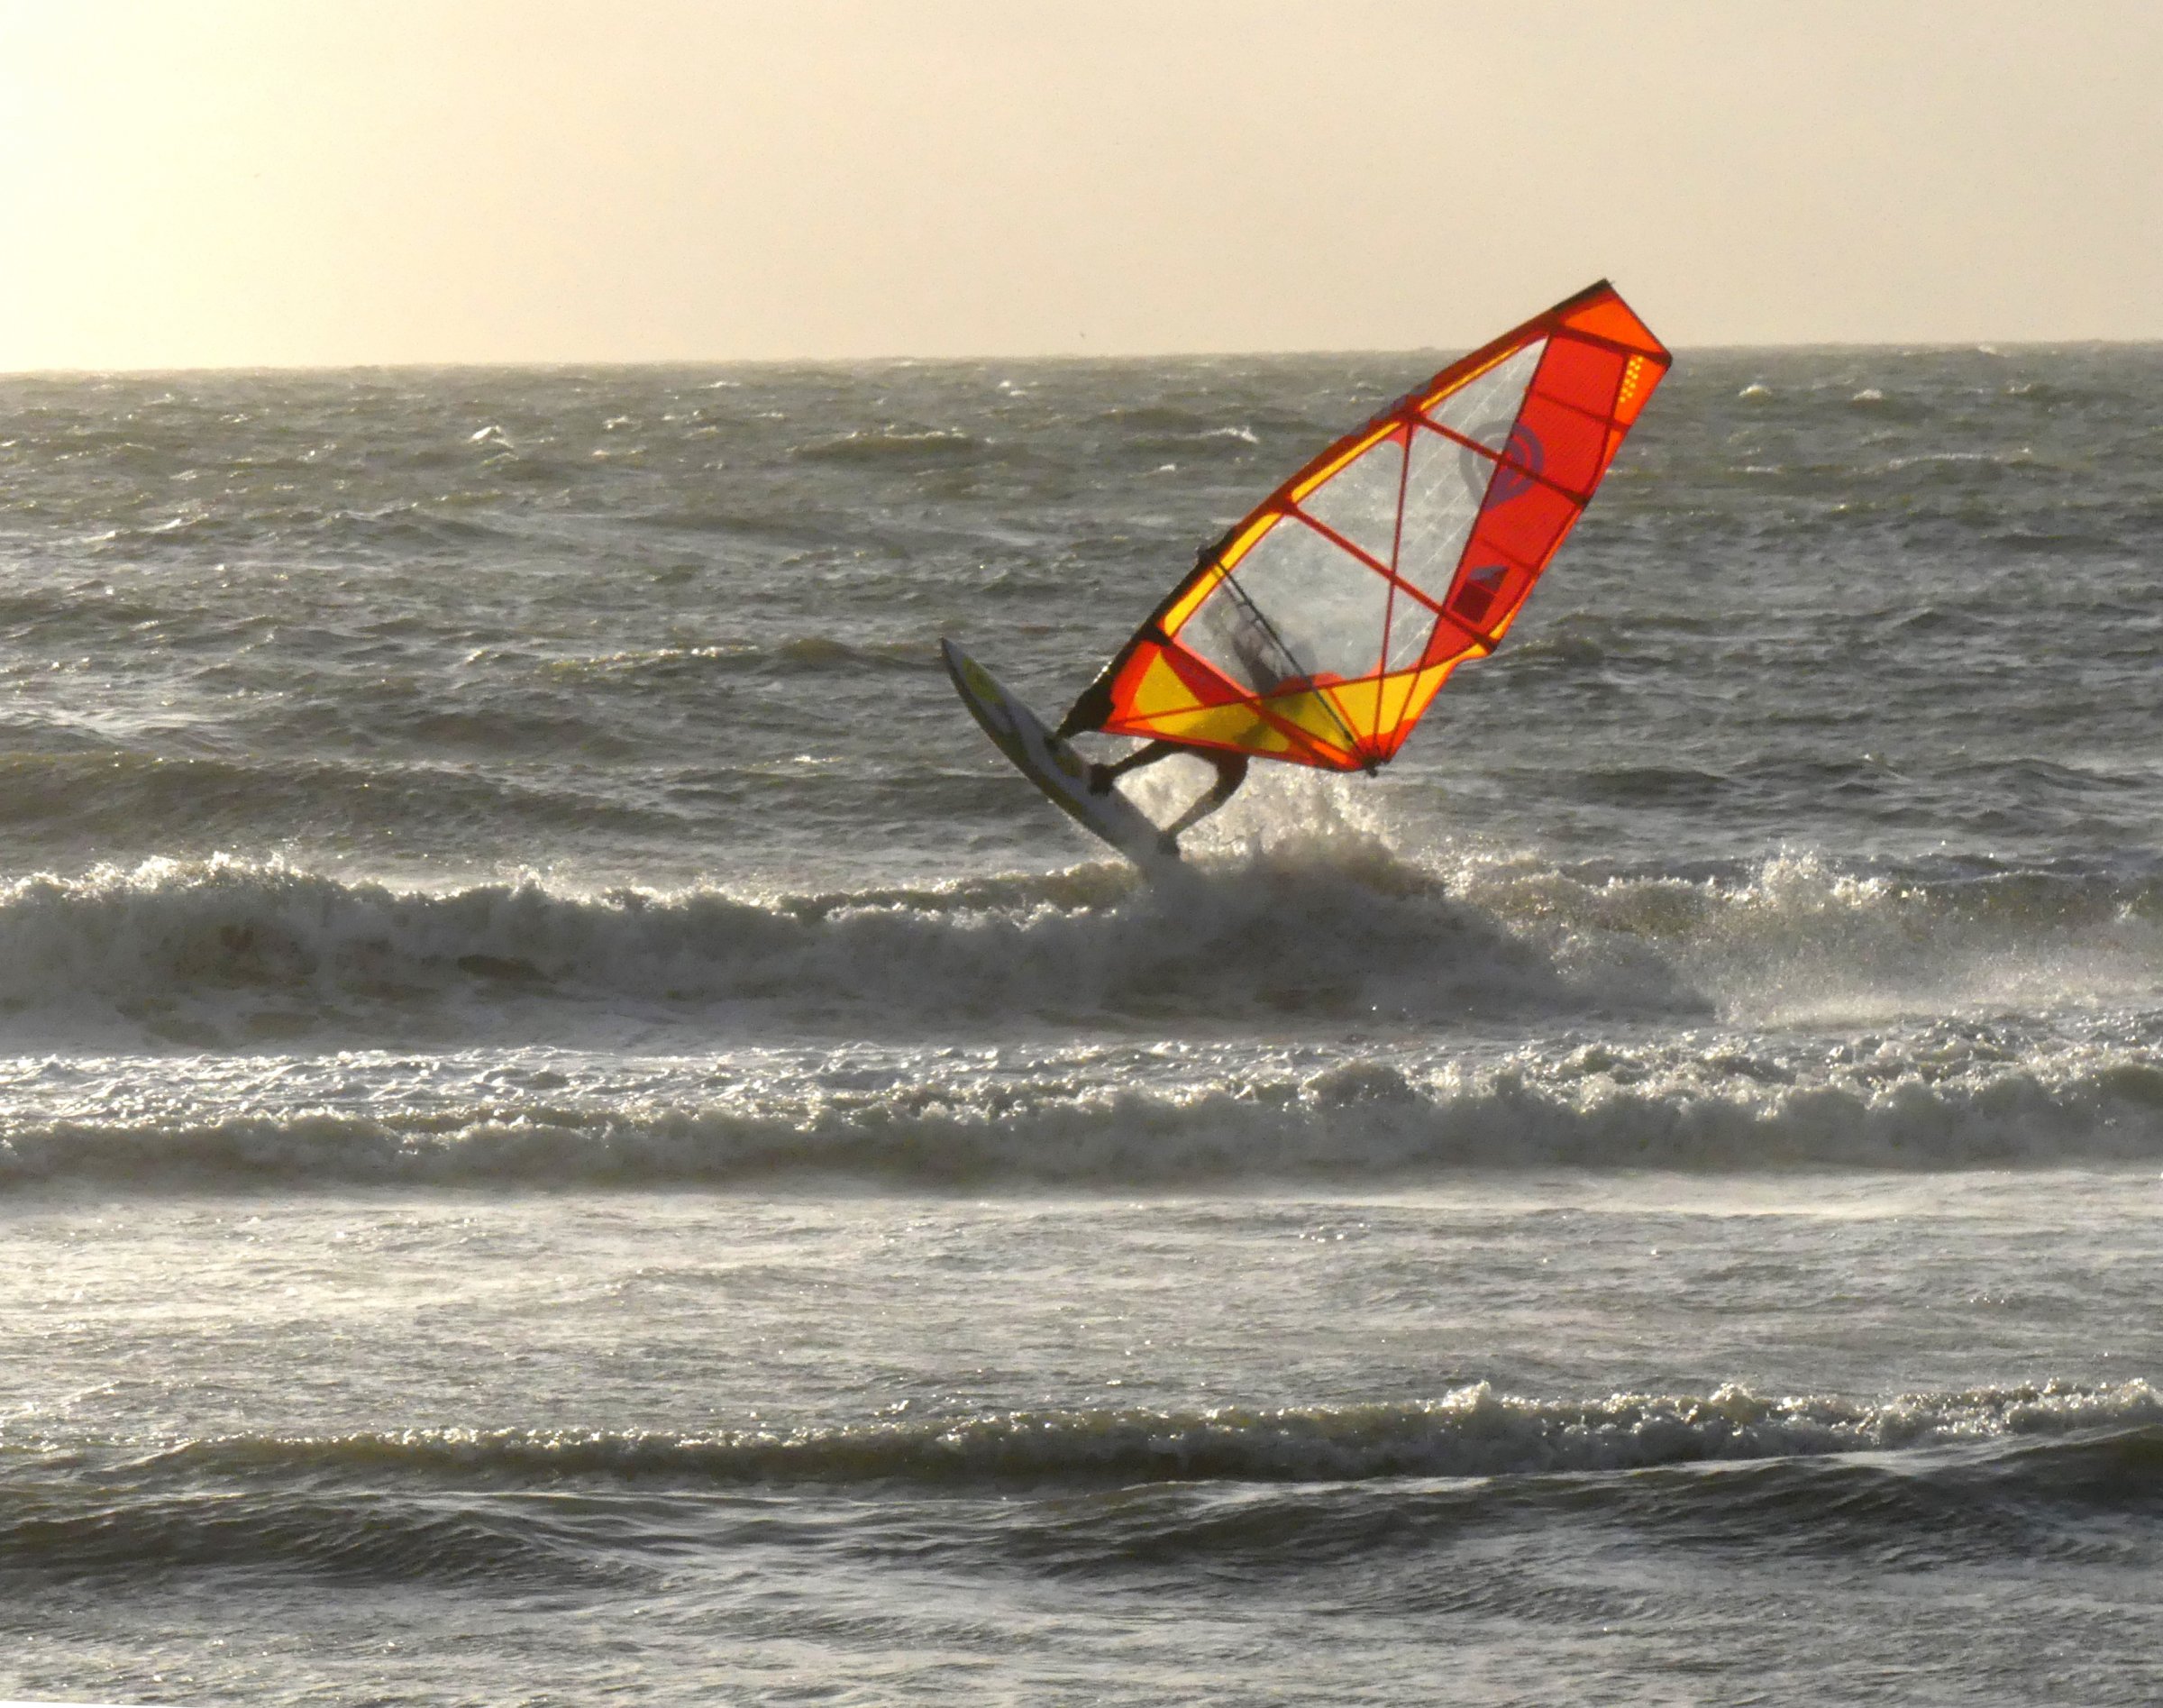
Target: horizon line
column 1982, row 346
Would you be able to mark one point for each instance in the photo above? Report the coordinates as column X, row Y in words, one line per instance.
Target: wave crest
column 1471, row 1432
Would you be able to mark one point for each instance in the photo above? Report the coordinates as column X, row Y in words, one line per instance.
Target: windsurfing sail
column 1321, row 626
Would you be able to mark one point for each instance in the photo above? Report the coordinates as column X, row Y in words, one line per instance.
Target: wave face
column 1332, row 931
column 1948, row 1481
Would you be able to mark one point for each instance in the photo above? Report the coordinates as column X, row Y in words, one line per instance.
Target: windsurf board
column 1060, row 773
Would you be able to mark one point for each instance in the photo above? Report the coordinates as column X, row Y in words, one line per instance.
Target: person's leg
column 1102, row 777
column 1231, row 772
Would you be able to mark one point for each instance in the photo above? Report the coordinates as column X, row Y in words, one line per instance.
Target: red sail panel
column 1319, row 628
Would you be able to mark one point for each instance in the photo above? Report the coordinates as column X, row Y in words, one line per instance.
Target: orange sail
column 1320, row 627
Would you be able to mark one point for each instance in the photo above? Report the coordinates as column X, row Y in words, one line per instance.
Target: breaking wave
column 1938, row 1099
column 224, row 951
column 1325, row 934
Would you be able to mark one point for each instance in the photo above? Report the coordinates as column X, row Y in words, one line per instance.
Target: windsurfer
column 1250, row 644
column 1317, row 628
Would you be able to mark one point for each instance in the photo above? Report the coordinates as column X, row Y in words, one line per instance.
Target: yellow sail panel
column 1160, row 691
column 1356, row 705
column 1318, row 715
column 1160, row 694
column 1240, row 727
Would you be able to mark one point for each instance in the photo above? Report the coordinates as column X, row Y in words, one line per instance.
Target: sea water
column 570, row 1131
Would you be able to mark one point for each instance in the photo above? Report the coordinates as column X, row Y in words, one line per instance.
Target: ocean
column 570, row 1131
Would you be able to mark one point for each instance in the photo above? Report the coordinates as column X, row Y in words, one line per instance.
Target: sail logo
column 1523, row 459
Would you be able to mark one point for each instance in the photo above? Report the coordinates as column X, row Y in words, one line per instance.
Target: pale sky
column 269, row 182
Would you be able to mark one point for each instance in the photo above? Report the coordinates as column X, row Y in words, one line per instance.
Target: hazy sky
column 188, row 182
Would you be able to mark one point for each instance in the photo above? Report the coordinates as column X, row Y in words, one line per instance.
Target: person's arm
column 1088, row 712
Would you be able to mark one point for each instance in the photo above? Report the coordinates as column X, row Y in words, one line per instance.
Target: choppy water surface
column 568, row 1129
